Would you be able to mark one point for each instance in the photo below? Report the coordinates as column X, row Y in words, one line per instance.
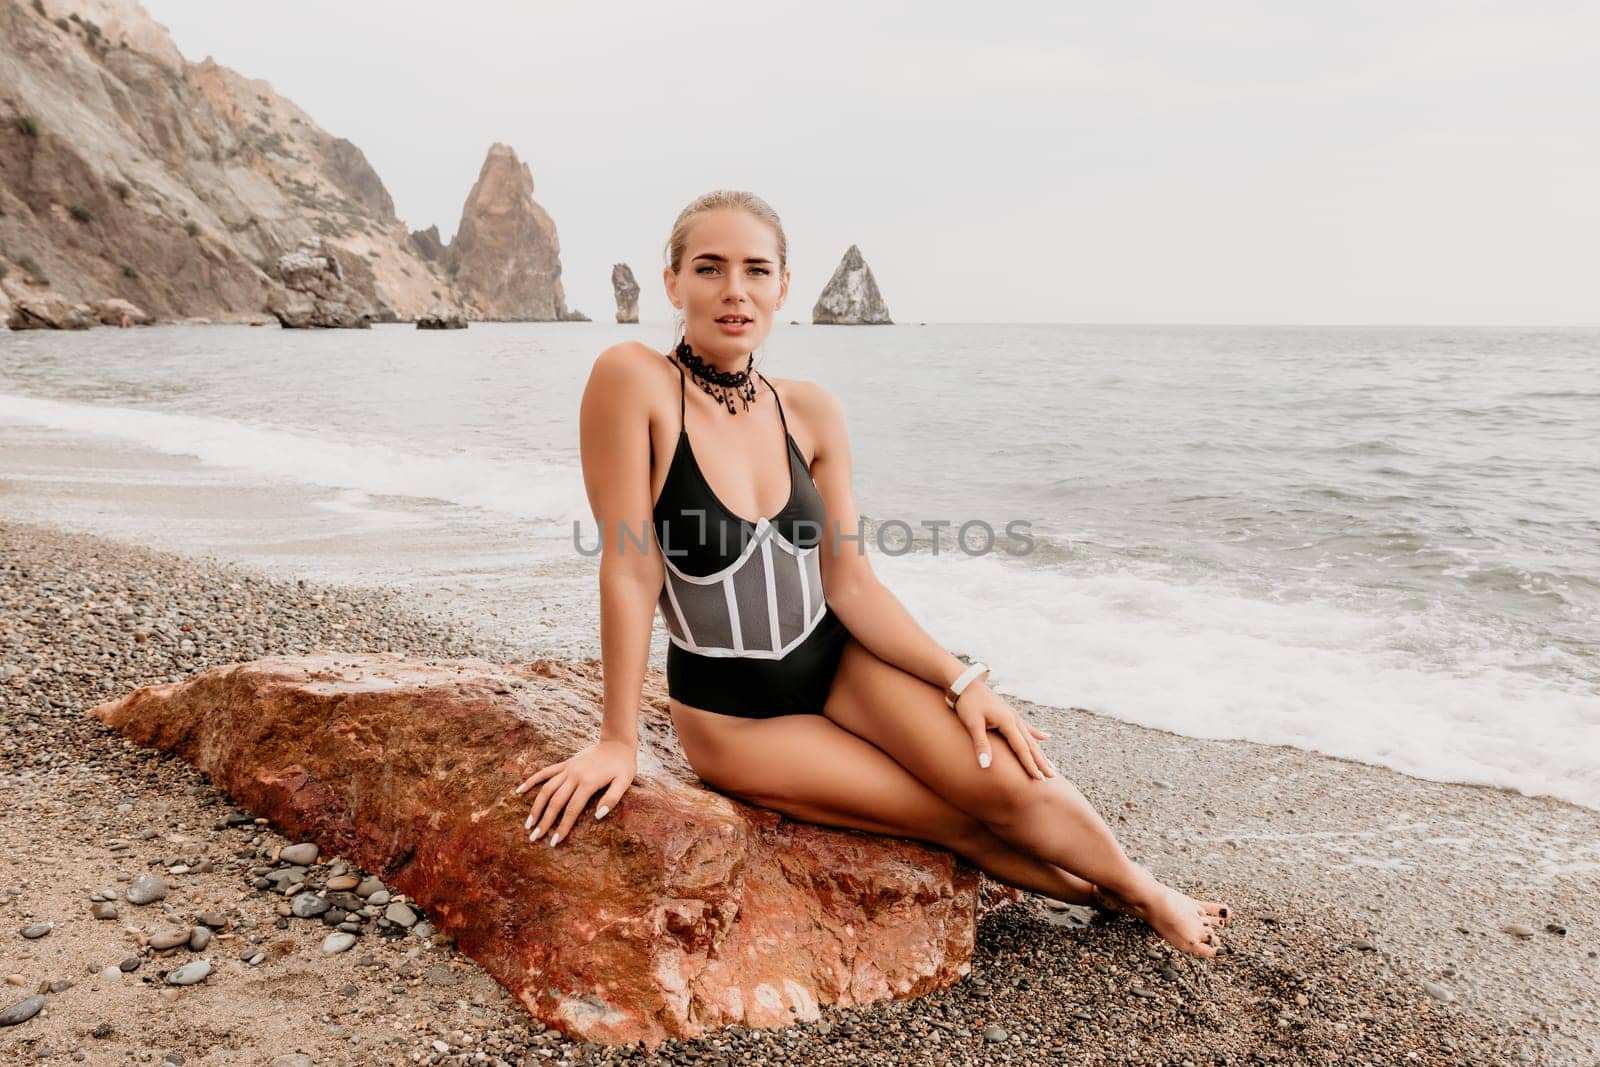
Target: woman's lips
column 734, row 327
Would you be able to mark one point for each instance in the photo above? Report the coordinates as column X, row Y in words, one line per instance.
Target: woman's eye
column 759, row 270
column 702, row 270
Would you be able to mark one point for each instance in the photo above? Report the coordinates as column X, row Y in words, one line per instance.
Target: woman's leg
column 811, row 769
column 906, row 717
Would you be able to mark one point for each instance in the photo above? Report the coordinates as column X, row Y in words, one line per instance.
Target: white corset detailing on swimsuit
column 761, row 605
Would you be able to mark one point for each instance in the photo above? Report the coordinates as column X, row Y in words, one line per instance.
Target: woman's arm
column 614, row 433
column 875, row 616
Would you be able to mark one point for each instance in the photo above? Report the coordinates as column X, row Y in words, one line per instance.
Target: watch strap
column 953, row 692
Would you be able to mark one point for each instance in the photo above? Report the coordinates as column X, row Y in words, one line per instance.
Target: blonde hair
column 678, row 242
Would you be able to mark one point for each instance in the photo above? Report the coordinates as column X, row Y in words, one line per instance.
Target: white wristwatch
column 966, row 678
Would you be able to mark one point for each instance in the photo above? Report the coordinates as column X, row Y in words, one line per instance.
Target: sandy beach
column 1380, row 918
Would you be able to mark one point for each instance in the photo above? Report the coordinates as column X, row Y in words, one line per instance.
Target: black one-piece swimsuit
column 749, row 629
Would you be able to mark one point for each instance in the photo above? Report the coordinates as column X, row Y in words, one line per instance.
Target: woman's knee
column 1016, row 797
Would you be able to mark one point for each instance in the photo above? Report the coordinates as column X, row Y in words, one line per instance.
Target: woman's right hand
column 568, row 785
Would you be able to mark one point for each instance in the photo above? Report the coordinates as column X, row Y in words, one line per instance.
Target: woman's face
column 729, row 268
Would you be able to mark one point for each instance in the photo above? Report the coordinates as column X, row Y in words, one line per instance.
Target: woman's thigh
column 812, row 769
column 906, row 718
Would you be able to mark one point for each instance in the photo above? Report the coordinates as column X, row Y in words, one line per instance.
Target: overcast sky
column 999, row 162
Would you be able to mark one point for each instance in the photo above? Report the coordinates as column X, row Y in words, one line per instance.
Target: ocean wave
column 522, row 487
column 1205, row 661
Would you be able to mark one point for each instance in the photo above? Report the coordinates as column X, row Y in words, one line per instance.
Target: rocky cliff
column 851, row 297
column 128, row 172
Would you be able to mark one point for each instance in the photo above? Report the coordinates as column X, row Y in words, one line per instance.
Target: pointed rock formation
column 627, row 291
column 505, row 257
column 851, row 297
column 682, row 911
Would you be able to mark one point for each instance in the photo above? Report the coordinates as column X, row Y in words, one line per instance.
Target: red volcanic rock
column 682, row 911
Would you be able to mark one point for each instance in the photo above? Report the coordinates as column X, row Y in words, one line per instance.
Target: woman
column 798, row 682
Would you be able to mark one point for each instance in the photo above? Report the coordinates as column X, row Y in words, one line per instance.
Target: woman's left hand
column 981, row 709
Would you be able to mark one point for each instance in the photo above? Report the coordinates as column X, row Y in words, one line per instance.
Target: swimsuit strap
column 683, row 425
column 779, row 403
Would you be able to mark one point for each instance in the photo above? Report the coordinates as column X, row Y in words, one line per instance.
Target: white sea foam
column 524, row 488
column 1208, row 662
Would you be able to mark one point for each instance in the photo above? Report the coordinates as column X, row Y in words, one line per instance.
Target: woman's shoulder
column 806, row 398
column 635, row 368
column 627, row 354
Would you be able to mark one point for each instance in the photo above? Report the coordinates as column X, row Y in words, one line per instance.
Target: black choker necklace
column 722, row 385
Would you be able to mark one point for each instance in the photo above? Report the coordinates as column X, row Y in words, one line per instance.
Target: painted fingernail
column 983, row 759
column 536, row 835
column 554, row 838
column 527, row 824
column 601, row 813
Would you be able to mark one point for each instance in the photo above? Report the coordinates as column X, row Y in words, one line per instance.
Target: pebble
column 338, row 942
column 301, row 855
column 995, row 1033
column 399, row 913
column 147, row 890
column 308, row 905
column 1438, row 992
column 22, row 1010
column 342, row 882
column 1518, row 930
column 199, row 938
column 190, row 973
column 104, row 910
column 34, row 931
column 368, row 886
column 162, row 940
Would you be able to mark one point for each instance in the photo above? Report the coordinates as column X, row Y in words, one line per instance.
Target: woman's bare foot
column 1184, row 922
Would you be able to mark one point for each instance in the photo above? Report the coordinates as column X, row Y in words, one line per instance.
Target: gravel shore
column 1379, row 919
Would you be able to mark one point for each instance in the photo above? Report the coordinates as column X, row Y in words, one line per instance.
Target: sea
column 1381, row 544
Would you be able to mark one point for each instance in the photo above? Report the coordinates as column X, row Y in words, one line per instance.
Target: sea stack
column 505, row 257
column 851, row 297
column 627, row 291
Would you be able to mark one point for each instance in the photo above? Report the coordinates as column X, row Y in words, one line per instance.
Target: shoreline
column 1353, row 885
